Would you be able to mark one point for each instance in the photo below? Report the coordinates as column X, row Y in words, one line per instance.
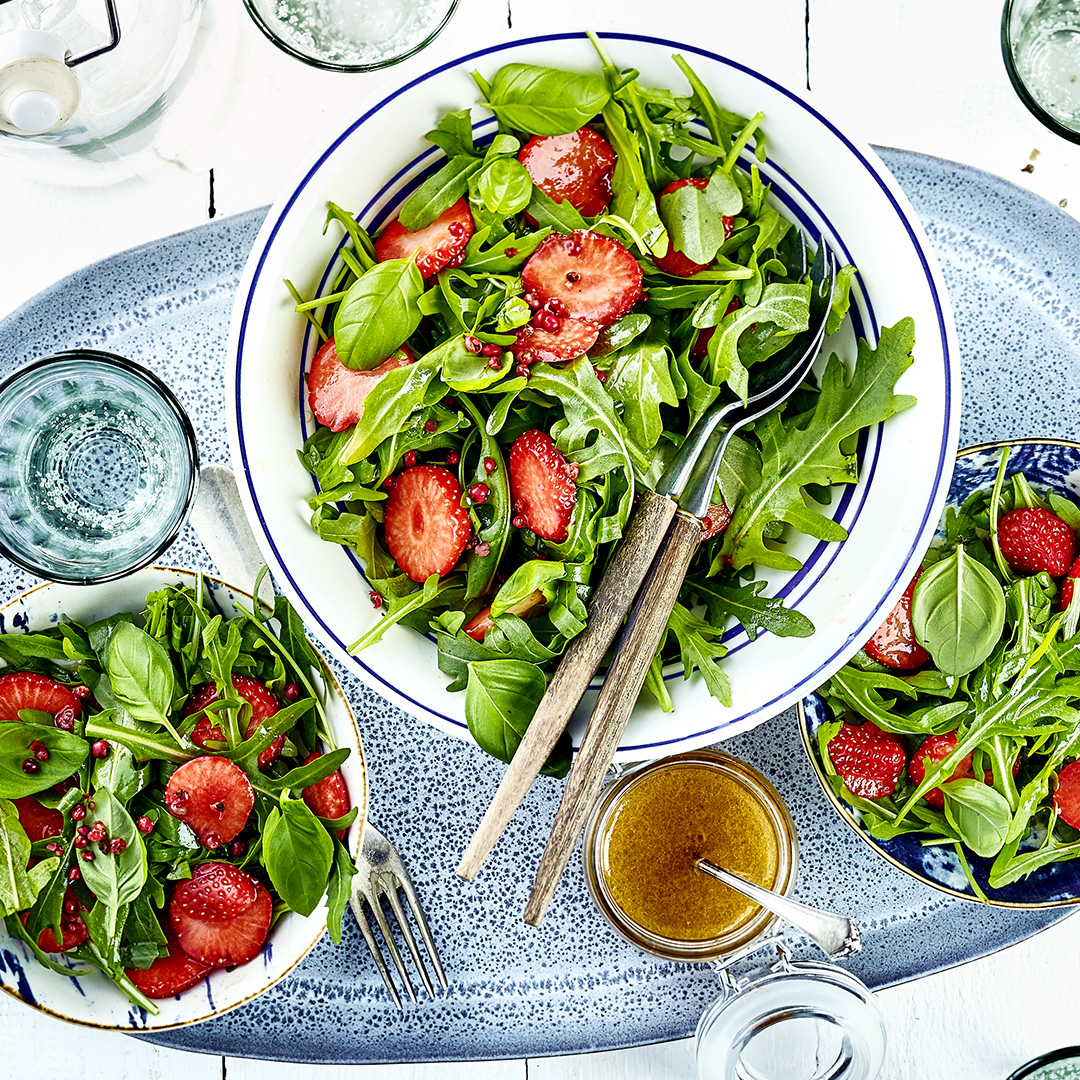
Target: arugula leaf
column 339, row 890
column 640, row 380
column 813, row 454
column 695, row 216
column 700, row 650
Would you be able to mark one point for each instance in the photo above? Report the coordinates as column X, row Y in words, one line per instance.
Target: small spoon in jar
column 837, row 935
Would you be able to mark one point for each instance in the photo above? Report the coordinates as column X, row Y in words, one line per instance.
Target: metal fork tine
column 356, row 902
column 425, row 931
column 381, row 889
column 410, row 941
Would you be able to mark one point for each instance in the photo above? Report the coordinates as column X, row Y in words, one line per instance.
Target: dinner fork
column 381, row 874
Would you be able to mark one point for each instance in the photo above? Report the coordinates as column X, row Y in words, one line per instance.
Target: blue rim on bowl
column 1049, row 462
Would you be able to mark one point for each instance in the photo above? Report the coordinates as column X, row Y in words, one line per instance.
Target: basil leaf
column 500, row 699
column 979, row 813
column 544, row 101
column 115, row 879
column 66, row 753
column 339, row 891
column 504, row 187
column 19, row 887
column 439, row 192
column 380, row 312
column 958, row 612
column 141, row 673
column 297, row 853
column 118, row 773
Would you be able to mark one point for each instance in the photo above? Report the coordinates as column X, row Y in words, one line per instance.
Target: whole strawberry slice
column 259, row 696
column 1067, row 585
column 893, row 643
column 440, row 244
column 329, row 797
column 575, row 167
column 216, row 890
column 211, row 795
column 573, row 338
column 39, row 822
column 593, row 276
column 869, row 760
column 675, row 262
column 543, row 490
column 28, row 690
column 427, row 528
column 1033, row 540
column 224, row 942
column 169, row 975
column 336, row 393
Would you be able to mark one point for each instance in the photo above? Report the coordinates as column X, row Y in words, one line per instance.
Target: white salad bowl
column 93, row 999
column 829, row 183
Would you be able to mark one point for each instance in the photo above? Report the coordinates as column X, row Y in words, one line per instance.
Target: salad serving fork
column 381, row 874
column 643, row 578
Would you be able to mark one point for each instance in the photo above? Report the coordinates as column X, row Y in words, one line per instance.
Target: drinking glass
column 351, row 35
column 1040, row 41
column 99, row 467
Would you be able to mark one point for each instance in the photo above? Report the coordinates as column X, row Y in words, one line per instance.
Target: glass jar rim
column 711, row 949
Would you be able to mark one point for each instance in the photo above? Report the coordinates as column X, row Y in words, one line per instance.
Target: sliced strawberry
column 575, row 167
column 27, row 690
column 893, row 643
column 215, row 890
column 224, row 942
column 336, row 393
column 169, row 975
column 675, row 262
column 572, row 338
column 1067, row 585
column 1033, row 540
column 593, row 276
column 263, row 702
column 211, row 795
column 937, row 748
column 1067, row 794
column 478, row 626
column 73, row 930
column 717, row 518
column 442, row 243
column 329, row 797
column 38, row 822
column 868, row 759
column 542, row 486
column 427, row 528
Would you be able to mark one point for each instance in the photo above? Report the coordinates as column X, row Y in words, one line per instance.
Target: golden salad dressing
column 666, row 821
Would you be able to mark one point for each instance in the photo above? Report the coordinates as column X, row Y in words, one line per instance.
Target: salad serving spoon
column 659, row 541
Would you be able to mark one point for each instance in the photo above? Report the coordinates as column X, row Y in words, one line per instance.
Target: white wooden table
column 923, row 75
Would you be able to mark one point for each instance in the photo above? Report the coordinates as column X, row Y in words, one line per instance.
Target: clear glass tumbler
column 98, row 467
column 351, row 35
column 1040, row 42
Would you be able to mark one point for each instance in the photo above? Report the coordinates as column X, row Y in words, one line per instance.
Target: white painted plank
column 929, row 76
column 663, row 1061
column 40, row 1047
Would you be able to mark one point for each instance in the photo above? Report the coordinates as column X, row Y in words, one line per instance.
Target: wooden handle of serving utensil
column 607, row 608
column 637, row 645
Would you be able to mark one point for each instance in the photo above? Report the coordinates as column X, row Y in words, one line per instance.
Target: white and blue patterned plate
column 831, row 185
column 93, row 999
column 574, row 985
column 1052, row 464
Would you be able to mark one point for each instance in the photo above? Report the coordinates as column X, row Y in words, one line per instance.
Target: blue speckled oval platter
column 574, row 986
column 1047, row 465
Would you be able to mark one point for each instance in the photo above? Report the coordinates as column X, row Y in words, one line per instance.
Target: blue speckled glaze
column 572, row 985
column 1049, row 465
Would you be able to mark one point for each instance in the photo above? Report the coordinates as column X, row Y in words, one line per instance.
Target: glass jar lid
column 791, row 1021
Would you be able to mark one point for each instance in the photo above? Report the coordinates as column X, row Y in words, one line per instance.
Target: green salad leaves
column 616, row 414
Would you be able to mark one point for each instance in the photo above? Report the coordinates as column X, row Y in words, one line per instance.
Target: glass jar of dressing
column 785, row 1021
